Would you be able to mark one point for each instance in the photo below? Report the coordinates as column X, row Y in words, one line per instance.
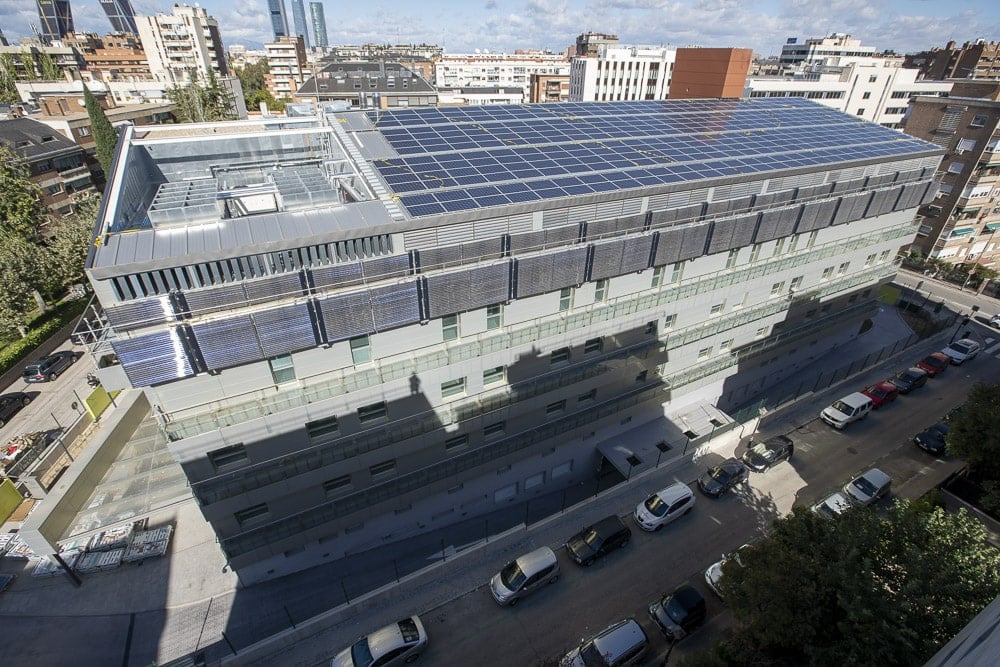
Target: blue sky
column 462, row 26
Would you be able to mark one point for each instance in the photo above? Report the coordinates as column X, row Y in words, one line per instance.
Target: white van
column 848, row 409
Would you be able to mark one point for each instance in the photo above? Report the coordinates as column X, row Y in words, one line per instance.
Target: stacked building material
column 99, row 561
column 148, row 544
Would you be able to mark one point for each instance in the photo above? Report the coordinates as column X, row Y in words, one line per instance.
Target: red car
column 881, row 393
column 934, row 363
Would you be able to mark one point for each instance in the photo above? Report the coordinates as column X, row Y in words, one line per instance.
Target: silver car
column 620, row 644
column 524, row 575
column 395, row 644
column 664, row 506
column 868, row 488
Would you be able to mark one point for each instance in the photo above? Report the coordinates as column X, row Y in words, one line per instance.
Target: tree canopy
column 859, row 589
column 21, row 211
column 975, row 432
column 198, row 103
column 104, row 134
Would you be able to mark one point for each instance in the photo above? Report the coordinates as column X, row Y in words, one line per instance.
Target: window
column 704, row 353
column 641, row 377
column 866, row 95
column 793, row 244
column 979, row 120
column 494, row 316
column 717, row 308
column 754, row 252
column 778, row 288
column 228, row 457
column 762, row 332
column 965, row 145
column 872, row 78
column 731, row 259
column 795, row 284
column 372, row 413
column 251, row 515
column 885, row 255
column 282, row 369
column 586, row 397
column 492, row 375
column 493, row 430
column 812, row 239
column 870, row 259
column 456, row 442
column 565, row 299
column 827, row 273
column 600, row 291
column 361, row 350
column 726, row 345
column 559, row 356
column 651, row 328
column 657, row 277
column 779, row 247
column 453, row 387
column 842, row 269
column 337, row 484
column 956, row 167
column 84, row 131
column 593, row 345
column 555, row 408
column 382, row 468
column 449, row 327
column 669, row 322
column 321, row 428
column 860, row 112
column 677, row 273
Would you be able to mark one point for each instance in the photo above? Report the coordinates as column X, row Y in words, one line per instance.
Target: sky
column 463, row 26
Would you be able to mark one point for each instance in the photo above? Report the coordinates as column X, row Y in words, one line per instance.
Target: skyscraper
column 319, row 24
column 55, row 17
column 278, row 19
column 299, row 19
column 121, row 15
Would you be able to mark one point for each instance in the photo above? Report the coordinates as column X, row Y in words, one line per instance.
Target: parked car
column 848, row 409
column 962, row 350
column 909, row 379
column 995, row 321
column 395, row 644
column 11, row 404
column 832, row 506
column 618, row 645
column 664, row 506
column 932, row 439
column 599, row 540
column 881, row 393
column 762, row 456
column 954, row 413
column 679, row 613
column 713, row 575
column 524, row 575
column 866, row 489
column 48, row 368
column 934, row 363
column 719, row 479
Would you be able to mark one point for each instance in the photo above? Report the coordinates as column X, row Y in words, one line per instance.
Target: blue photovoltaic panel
column 450, row 156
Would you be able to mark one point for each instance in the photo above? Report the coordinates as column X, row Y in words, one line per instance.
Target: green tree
column 197, row 103
column 254, row 99
column 104, row 134
column 24, row 271
column 251, row 77
column 21, row 211
column 975, row 432
column 8, row 77
column 859, row 589
column 28, row 61
column 69, row 242
column 49, row 69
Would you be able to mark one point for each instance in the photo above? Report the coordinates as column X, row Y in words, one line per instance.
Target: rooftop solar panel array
column 462, row 158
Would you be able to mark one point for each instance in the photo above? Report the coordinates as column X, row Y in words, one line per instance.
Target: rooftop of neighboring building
column 370, row 77
column 33, row 140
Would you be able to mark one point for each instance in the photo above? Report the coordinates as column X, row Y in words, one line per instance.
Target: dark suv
column 679, row 613
column 591, row 543
column 11, row 404
column 48, row 368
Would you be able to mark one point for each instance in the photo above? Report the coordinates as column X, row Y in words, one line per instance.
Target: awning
column 962, row 231
column 970, row 209
column 992, row 226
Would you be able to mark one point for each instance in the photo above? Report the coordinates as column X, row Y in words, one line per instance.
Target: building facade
column 279, row 21
column 481, row 70
column 719, row 73
column 368, row 85
column 961, row 224
column 620, row 73
column 57, row 165
column 379, row 323
column 55, row 19
column 877, row 89
column 819, row 49
column 288, row 67
column 183, row 46
column 299, row 21
column 972, row 60
column 549, row 88
column 318, row 20
column 475, row 96
column 588, row 43
column 117, row 57
column 121, row 15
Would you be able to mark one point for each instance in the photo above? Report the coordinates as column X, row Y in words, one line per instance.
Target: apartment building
column 549, row 88
column 375, row 323
column 503, row 70
column 368, row 85
column 819, row 49
column 620, row 73
column 57, row 165
column 588, row 43
column 288, row 67
column 877, row 88
column 111, row 57
column 972, row 60
column 960, row 225
column 182, row 46
column 709, row 73
column 478, row 96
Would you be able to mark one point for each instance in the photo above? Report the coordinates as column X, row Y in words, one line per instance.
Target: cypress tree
column 105, row 137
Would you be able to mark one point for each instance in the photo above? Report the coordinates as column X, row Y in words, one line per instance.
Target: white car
column 962, row 350
column 714, row 572
column 664, row 506
column 832, row 506
column 401, row 642
column 868, row 488
column 995, row 321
